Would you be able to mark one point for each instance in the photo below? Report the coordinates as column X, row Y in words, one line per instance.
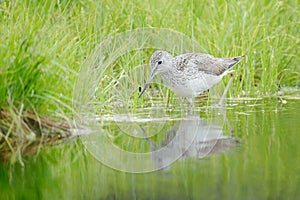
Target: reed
column 43, row 44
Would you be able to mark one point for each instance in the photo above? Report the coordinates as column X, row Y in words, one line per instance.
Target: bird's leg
column 190, row 100
column 221, row 102
column 191, row 107
column 222, row 111
column 153, row 145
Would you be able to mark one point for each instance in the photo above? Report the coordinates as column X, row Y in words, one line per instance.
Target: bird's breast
column 191, row 84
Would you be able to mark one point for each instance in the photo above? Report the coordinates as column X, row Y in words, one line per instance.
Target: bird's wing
column 205, row 63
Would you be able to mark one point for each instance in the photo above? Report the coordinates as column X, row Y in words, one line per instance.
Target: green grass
column 43, row 44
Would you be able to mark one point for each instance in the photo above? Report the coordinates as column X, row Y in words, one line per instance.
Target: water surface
column 251, row 152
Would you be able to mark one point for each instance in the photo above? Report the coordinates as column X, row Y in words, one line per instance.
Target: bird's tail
column 235, row 60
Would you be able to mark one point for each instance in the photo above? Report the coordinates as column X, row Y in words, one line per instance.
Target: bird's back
column 204, row 63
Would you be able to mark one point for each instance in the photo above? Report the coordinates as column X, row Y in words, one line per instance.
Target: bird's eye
column 160, row 62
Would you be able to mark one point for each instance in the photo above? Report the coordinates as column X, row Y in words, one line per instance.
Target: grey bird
column 190, row 74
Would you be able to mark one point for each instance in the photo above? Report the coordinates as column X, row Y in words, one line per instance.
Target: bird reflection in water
column 191, row 137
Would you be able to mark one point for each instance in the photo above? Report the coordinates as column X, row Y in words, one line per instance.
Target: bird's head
column 160, row 62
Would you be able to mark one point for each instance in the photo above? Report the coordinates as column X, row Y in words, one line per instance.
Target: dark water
column 249, row 151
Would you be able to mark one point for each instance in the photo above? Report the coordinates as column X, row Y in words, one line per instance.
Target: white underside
column 194, row 87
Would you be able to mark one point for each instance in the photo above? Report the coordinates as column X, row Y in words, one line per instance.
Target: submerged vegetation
column 43, row 44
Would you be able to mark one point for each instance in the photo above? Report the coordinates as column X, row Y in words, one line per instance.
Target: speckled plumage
column 189, row 74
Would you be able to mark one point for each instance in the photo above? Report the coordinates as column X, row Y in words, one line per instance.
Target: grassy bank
column 43, row 44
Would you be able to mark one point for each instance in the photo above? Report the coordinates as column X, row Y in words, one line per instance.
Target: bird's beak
column 153, row 73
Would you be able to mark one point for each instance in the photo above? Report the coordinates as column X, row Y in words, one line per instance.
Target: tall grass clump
column 40, row 54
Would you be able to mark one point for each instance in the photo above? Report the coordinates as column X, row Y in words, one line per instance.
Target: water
column 255, row 156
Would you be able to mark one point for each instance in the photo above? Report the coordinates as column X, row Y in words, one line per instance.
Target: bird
column 190, row 74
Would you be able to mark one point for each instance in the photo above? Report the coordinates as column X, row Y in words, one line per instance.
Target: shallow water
column 249, row 150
